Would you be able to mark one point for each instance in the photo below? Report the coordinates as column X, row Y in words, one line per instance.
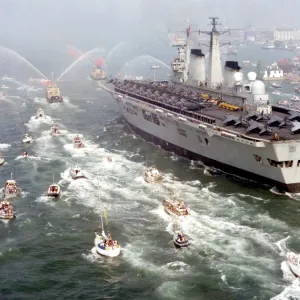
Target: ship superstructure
column 218, row 117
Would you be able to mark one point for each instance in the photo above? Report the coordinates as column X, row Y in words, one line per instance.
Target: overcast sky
column 89, row 23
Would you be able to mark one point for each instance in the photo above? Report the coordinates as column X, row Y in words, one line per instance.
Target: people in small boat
column 25, row 153
column 180, row 237
column 6, row 208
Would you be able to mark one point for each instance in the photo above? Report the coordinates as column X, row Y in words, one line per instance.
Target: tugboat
column 152, row 175
column 11, row 188
column 53, row 93
column 104, row 244
column 40, row 114
column 175, row 208
column 54, row 130
column 97, row 73
column 77, row 143
column 54, row 189
column 2, row 161
column 76, row 173
column 6, row 211
column 27, row 139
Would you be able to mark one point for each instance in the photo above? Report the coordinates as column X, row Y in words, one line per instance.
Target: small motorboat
column 293, row 260
column 276, row 93
column 77, row 143
column 27, row 139
column 176, row 208
column 40, row 114
column 106, row 246
column 152, row 175
column 11, row 188
column 276, row 85
column 284, row 102
column 54, row 190
column 76, row 173
column 54, row 130
column 180, row 240
column 6, row 211
column 295, row 98
column 2, row 161
column 108, row 158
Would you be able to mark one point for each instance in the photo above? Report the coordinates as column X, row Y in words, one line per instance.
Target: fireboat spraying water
column 98, row 73
column 53, row 93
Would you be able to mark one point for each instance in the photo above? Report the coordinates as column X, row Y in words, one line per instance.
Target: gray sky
column 89, row 23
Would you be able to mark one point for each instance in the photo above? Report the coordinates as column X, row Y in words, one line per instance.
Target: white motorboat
column 40, row 114
column 6, row 211
column 276, row 93
column 176, row 208
column 2, row 161
column 77, row 143
column 27, row 139
column 152, row 175
column 293, row 260
column 5, row 77
column 54, row 130
column 295, row 98
column 54, row 190
column 11, row 188
column 180, row 240
column 284, row 102
column 276, row 85
column 76, row 173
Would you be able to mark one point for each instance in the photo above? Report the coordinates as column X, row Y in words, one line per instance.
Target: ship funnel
column 231, row 69
column 197, row 66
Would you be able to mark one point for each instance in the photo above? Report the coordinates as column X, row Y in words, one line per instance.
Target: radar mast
column 215, row 76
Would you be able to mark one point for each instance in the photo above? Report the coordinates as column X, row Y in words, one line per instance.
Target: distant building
column 273, row 73
column 287, row 34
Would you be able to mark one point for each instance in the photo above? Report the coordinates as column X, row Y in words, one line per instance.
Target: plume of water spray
column 16, row 54
column 114, row 49
column 149, row 58
column 77, row 61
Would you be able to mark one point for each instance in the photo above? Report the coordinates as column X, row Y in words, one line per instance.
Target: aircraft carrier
column 216, row 117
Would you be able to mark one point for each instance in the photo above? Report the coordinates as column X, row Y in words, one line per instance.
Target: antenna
column 214, row 23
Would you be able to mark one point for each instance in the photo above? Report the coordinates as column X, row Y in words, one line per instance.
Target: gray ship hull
column 252, row 160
